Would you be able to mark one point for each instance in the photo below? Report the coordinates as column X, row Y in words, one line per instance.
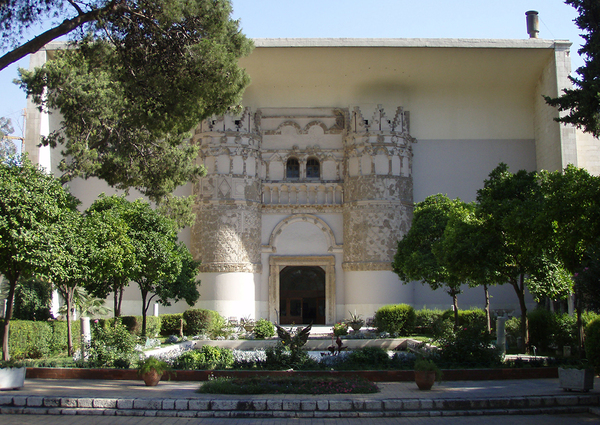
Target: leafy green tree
column 581, row 104
column 32, row 301
column 572, row 206
column 7, row 148
column 32, row 205
column 129, row 93
column 166, row 270
column 113, row 259
column 136, row 243
column 70, row 266
column 465, row 250
column 419, row 252
column 511, row 207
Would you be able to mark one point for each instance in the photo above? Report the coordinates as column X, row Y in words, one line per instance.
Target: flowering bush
column 340, row 329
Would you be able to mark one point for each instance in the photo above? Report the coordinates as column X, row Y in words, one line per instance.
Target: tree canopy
column 418, row 256
column 581, row 104
column 132, row 87
column 136, row 243
column 32, row 206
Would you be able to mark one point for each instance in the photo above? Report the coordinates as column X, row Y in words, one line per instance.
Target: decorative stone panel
column 371, row 233
column 378, row 188
column 226, row 237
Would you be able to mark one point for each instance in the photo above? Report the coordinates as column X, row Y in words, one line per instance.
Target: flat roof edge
column 483, row 43
column 412, row 42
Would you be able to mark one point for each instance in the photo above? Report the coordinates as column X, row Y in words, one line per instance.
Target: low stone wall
column 372, row 375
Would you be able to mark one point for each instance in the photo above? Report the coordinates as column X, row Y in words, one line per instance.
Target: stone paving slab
column 179, row 399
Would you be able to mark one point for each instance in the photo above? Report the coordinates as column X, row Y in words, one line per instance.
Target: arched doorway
column 302, row 295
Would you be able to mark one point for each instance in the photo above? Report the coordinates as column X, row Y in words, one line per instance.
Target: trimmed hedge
column 134, row 324
column 396, row 319
column 199, row 321
column 33, row 340
column 427, row 320
column 592, row 344
column 170, row 324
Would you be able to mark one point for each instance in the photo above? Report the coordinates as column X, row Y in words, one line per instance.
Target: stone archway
column 277, row 264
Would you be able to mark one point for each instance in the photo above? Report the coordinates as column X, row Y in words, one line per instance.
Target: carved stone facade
column 280, row 167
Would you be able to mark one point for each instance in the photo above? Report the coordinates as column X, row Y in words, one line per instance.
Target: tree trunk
column 488, row 317
column 144, row 311
column 455, row 305
column 69, row 300
column 9, row 309
column 580, row 333
column 520, row 290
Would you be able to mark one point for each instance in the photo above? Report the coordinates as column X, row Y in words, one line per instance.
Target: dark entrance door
column 302, row 295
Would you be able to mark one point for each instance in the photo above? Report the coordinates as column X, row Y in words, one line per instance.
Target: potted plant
column 12, row 375
column 340, row 329
column 426, row 373
column 151, row 370
column 578, row 379
column 247, row 323
column 356, row 322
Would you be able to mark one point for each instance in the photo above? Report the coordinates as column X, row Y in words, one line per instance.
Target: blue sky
column 500, row 19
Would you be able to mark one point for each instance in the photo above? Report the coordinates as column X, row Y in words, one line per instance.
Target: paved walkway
column 396, row 399
column 389, row 390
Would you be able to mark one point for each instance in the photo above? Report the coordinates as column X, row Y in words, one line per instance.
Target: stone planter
column 12, row 378
column 424, row 379
column 576, row 379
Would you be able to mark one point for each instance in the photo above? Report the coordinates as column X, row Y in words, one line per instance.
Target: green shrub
column 170, row 324
column 564, row 331
column 540, row 328
column 396, row 319
column 367, row 358
column 340, row 329
column 280, row 357
column 468, row 347
column 426, row 320
column 208, row 357
column 218, row 327
column 264, row 329
column 592, row 344
column 112, row 345
column 589, row 316
column 474, row 318
column 134, row 325
column 198, row 321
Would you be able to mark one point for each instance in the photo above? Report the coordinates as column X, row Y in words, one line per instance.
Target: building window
column 292, row 169
column 313, row 168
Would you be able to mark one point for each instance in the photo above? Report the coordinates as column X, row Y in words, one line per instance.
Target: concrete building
column 309, row 190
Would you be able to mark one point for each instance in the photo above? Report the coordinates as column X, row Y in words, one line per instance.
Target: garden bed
column 371, row 375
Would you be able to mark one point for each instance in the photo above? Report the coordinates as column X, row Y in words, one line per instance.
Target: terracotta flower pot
column 424, row 379
column 151, row 378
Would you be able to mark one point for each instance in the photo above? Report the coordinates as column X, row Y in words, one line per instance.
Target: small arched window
column 313, row 168
column 292, row 169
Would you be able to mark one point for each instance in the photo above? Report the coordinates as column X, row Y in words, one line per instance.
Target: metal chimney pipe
column 533, row 23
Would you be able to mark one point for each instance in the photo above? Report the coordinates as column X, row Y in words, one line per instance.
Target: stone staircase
column 302, row 407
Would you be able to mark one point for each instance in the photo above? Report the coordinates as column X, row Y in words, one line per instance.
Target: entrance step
column 321, row 407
